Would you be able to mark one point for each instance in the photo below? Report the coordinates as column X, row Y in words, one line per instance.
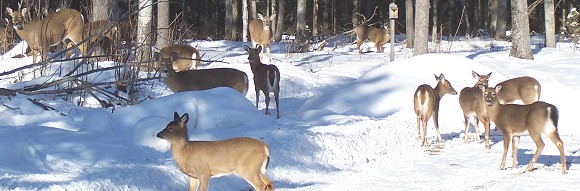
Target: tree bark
column 280, row 17
column 144, row 29
column 520, row 31
column 420, row 45
column 326, row 16
column 253, row 10
column 435, row 23
column 235, row 19
column 100, row 10
column 501, row 26
column 550, row 22
column 410, row 27
column 301, row 20
column 163, row 38
column 245, row 20
column 229, row 21
column 315, row 17
column 355, row 12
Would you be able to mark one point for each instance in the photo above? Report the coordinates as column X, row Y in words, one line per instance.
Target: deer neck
column 493, row 109
column 439, row 93
column 255, row 65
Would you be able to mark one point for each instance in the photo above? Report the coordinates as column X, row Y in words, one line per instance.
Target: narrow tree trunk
column 229, row 20
column 253, row 10
column 245, row 20
column 325, row 16
column 501, row 26
column 301, row 20
column 280, row 17
column 163, row 38
column 235, row 20
column 420, row 45
column 315, row 17
column 550, row 20
column 100, row 10
column 144, row 29
column 493, row 16
column 520, row 31
column 355, row 12
column 335, row 8
column 435, row 23
column 274, row 23
column 410, row 26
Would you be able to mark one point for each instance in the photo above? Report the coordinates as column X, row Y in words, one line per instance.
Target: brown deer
column 521, row 90
column 516, row 120
column 194, row 80
column 186, row 56
column 471, row 102
column 266, row 78
column 95, row 29
column 426, row 101
column 62, row 26
column 261, row 34
column 202, row 160
column 378, row 36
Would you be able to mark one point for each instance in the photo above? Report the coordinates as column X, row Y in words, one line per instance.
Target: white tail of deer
column 193, row 80
column 266, row 78
column 426, row 101
column 260, row 32
column 515, row 120
column 521, row 90
column 62, row 26
column 201, row 160
column 187, row 56
column 94, row 30
column 471, row 102
column 378, row 36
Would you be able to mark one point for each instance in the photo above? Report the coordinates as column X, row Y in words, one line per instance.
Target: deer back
column 522, row 90
column 378, row 36
column 186, row 54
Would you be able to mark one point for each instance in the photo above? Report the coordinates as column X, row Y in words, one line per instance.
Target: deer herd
column 248, row 157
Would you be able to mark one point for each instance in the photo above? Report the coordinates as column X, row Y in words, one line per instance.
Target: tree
column 550, row 22
column 235, row 18
column 501, row 25
column 421, row 27
column 163, row 36
column 229, row 22
column 100, row 10
column 410, row 27
column 435, row 23
column 520, row 31
column 315, row 17
column 280, row 17
column 355, row 12
column 144, row 29
column 245, row 20
column 301, row 20
column 253, row 10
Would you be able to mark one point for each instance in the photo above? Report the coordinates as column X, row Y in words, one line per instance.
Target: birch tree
column 163, row 36
column 550, row 22
column 421, row 27
column 410, row 27
column 144, row 29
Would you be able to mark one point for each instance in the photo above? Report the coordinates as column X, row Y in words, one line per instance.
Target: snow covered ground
column 346, row 124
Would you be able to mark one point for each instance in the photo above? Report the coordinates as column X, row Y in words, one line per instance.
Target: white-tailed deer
column 186, row 56
column 92, row 30
column 194, row 80
column 521, row 90
column 471, row 102
column 260, row 32
column 515, row 120
column 62, row 26
column 378, row 36
column 266, row 78
column 201, row 160
column 426, row 101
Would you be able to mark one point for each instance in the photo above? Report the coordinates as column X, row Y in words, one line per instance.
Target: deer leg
column 506, row 143
column 193, row 184
column 419, row 126
column 257, row 89
column 556, row 139
column 358, row 43
column 254, row 180
column 539, row 147
column 486, row 125
column 515, row 142
column 425, row 131
column 277, row 99
column 267, row 100
column 204, row 182
column 436, row 122
column 466, row 136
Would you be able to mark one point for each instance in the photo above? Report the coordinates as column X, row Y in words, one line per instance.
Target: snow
column 347, row 123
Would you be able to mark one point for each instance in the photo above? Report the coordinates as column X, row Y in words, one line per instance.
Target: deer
column 202, row 160
column 186, row 56
column 471, row 102
column 261, row 34
column 426, row 101
column 61, row 26
column 378, row 36
column 195, row 80
column 521, row 90
column 515, row 120
column 266, row 78
column 94, row 30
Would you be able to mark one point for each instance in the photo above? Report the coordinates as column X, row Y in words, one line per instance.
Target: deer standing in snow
column 378, row 36
column 471, row 102
column 260, row 33
column 266, row 78
column 521, row 90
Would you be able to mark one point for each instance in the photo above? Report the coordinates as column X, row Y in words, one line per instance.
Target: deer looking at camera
column 62, row 26
column 186, row 56
column 521, row 90
column 261, row 34
column 194, row 80
column 266, row 78
column 471, row 102
column 426, row 101
column 515, row 120
column 202, row 160
column 378, row 36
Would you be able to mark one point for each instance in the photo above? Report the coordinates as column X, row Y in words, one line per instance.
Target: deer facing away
column 266, row 78
column 193, row 80
column 426, row 102
column 378, row 36
column 521, row 90
column 201, row 160
column 260, row 32
column 186, row 56
column 515, row 120
column 471, row 102
column 62, row 26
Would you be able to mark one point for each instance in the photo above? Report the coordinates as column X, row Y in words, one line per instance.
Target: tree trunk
column 420, row 45
column 410, row 27
column 280, row 17
column 550, row 20
column 355, row 12
column 229, row 20
column 502, row 17
column 100, row 10
column 520, row 31
column 163, row 38
column 274, row 23
column 493, row 16
column 315, row 18
column 245, row 20
column 253, row 10
column 325, row 17
column 235, row 20
column 335, row 8
column 301, row 20
column 435, row 23
column 144, row 29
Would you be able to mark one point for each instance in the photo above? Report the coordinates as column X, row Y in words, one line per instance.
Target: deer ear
column 175, row 116
column 184, row 118
column 498, row 88
column 247, row 48
column 9, row 10
column 260, row 16
column 173, row 57
column 474, row 74
column 157, row 56
column 259, row 48
column 24, row 10
column 488, row 74
column 272, row 17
